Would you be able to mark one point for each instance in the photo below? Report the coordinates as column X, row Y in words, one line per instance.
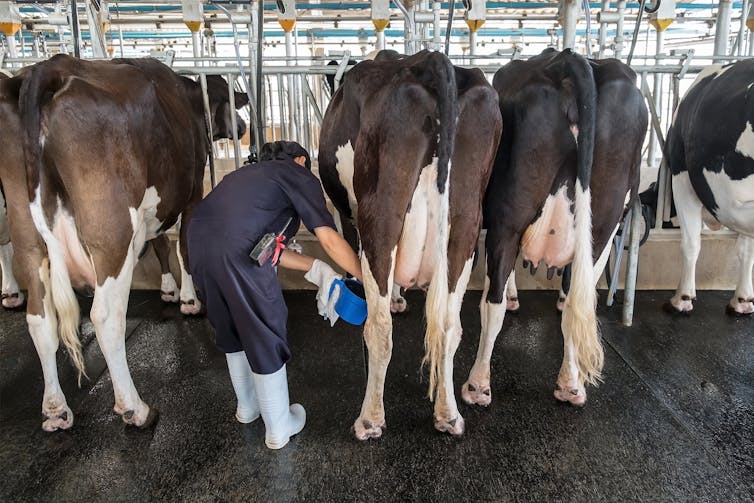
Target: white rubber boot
column 281, row 420
column 243, row 384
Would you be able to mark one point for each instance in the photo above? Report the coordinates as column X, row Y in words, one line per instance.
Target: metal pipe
column 436, row 29
column 722, row 28
column 76, row 29
column 569, row 17
column 742, row 31
column 618, row 50
column 409, row 27
column 380, row 40
column 605, row 6
column 632, row 266
column 233, row 123
column 657, row 95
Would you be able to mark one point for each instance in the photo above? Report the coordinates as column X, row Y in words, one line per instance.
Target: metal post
column 657, row 95
column 233, row 123
column 12, row 53
column 291, row 94
column 632, row 266
column 76, row 30
column 569, row 17
column 619, row 29
column 722, row 28
column 742, row 31
column 605, row 7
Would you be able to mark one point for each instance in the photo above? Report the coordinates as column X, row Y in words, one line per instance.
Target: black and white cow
column 110, row 154
column 406, row 150
column 710, row 153
column 571, row 147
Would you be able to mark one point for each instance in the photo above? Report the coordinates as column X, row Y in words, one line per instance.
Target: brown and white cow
column 113, row 153
column 406, row 150
column 571, row 148
column 11, row 296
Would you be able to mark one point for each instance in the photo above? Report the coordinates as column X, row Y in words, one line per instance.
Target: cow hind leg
column 742, row 303
column 168, row 287
column 447, row 418
column 11, row 294
column 108, row 315
column 569, row 387
column 476, row 389
column 690, row 214
column 189, row 301
column 397, row 302
column 379, row 341
column 511, row 294
column 43, row 329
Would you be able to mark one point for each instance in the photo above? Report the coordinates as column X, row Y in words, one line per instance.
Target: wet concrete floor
column 673, row 421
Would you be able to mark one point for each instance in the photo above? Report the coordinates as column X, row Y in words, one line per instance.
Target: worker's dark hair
column 283, row 150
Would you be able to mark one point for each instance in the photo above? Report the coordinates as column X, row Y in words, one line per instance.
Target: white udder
column 551, row 237
column 418, row 248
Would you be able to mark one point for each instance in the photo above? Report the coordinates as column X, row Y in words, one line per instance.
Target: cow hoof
column 512, row 305
column 741, row 309
column 363, row 429
column 13, row 300
column 455, row 426
column 191, row 307
column 474, row 394
column 59, row 419
column 669, row 308
column 560, row 305
column 574, row 396
column 171, row 297
column 398, row 305
column 145, row 419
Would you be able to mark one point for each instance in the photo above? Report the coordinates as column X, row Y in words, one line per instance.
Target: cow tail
column 36, row 91
column 443, row 83
column 579, row 314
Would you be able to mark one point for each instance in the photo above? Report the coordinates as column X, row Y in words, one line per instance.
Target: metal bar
column 632, row 266
column 233, row 122
column 613, row 287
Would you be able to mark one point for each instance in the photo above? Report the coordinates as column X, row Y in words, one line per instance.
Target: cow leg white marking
column 476, row 389
column 11, row 295
column 743, row 299
column 44, row 333
column 511, row 294
column 378, row 335
column 583, row 355
column 560, row 304
column 344, row 167
column 108, row 316
column 168, row 288
column 190, row 304
column 689, row 209
column 569, row 387
column 447, row 418
column 397, row 302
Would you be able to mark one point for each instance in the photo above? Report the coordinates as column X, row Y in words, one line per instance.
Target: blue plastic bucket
column 351, row 307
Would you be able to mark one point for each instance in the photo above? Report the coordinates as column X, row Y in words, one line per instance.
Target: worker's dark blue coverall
column 244, row 302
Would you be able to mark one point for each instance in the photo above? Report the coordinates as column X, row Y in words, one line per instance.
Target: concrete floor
column 674, row 420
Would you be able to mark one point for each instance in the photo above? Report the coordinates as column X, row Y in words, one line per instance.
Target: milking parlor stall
column 550, row 206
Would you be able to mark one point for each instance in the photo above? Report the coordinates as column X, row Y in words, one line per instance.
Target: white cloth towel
column 323, row 276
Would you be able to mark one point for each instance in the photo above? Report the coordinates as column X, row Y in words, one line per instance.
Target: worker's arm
column 296, row 261
column 339, row 250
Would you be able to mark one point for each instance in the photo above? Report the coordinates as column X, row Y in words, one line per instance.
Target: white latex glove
column 322, row 275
